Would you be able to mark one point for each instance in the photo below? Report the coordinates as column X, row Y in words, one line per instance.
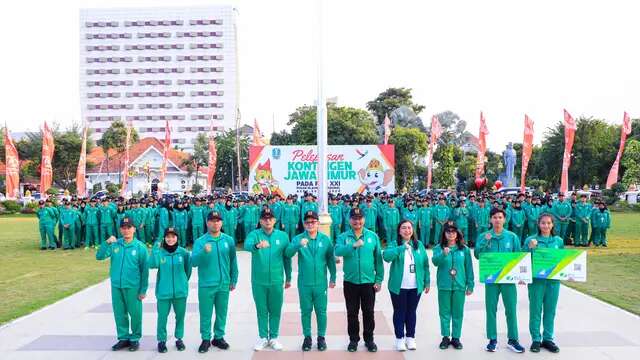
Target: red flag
column 12, row 167
column 482, row 146
column 125, row 169
column 626, row 130
column 569, row 131
column 387, row 129
column 213, row 160
column 257, row 136
column 165, row 151
column 81, row 181
column 46, row 169
column 527, row 148
column 436, row 132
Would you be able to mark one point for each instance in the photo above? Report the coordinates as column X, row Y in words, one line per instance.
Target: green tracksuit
column 164, row 221
column 518, row 222
column 91, row 226
column 507, row 241
column 411, row 215
column 543, row 293
column 107, row 217
column 452, row 288
column 267, row 265
column 180, row 219
column 583, row 216
column 425, row 223
column 314, row 259
column 217, row 273
column 289, row 219
column 441, row 215
column 172, row 287
column 47, row 222
column 532, row 212
column 562, row 212
column 307, row 206
column 390, row 221
column 148, row 220
column 129, row 273
column 336, row 221
column 461, row 218
column 230, row 221
column 364, row 264
column 250, row 218
column 395, row 254
column 68, row 217
column 600, row 222
column 370, row 217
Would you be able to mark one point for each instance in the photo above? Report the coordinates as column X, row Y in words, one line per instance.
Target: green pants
column 182, row 236
column 425, row 233
column 148, row 234
column 247, row 229
column 543, row 300
column 91, row 235
column 290, row 229
column 164, row 307
column 47, row 232
column 208, row 298
column 509, row 300
column 79, row 232
column 451, row 310
column 127, row 309
column 335, row 231
column 106, row 230
column 231, row 230
column 392, row 234
column 313, row 298
column 438, row 232
column 582, row 233
column 68, row 237
column 532, row 228
column 562, row 228
column 268, row 300
column 197, row 230
column 599, row 235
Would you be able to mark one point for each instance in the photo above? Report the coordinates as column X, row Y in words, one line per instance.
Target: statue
column 509, row 158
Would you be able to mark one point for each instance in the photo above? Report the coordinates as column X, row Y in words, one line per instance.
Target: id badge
column 412, row 268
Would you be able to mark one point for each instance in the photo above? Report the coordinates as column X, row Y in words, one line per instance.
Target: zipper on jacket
column 219, row 266
column 122, row 264
column 173, row 279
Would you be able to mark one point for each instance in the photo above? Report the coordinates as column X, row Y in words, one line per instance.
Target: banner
column 46, row 168
column 292, row 169
column 482, row 147
column 213, row 161
column 125, row 168
column 560, row 264
column 626, row 130
column 81, row 181
column 387, row 129
column 165, row 152
column 569, row 131
column 505, row 268
column 527, row 148
column 12, row 167
column 436, row 131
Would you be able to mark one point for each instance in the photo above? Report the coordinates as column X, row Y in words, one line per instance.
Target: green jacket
column 458, row 259
column 562, row 211
column 396, row 255
column 583, row 212
column 90, row 215
column 313, row 259
column 267, row 263
column 251, row 215
column 68, row 217
column 290, row 214
column 391, row 218
column 107, row 215
column 518, row 217
column 461, row 217
column 441, row 214
column 336, row 214
column 197, row 214
column 425, row 217
column 219, row 267
column 507, row 241
column 180, row 218
column 600, row 219
column 364, row 264
column 174, row 271
column 129, row 264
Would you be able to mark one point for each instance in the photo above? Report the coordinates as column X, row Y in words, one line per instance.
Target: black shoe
column 535, row 347
column 134, row 345
column 180, row 345
column 220, row 344
column 515, row 346
column 44, row 248
column 605, row 245
column 353, row 346
column 371, row 346
column 444, row 344
column 204, row 346
column 551, row 346
column 306, row 343
column 456, row 344
column 162, row 347
column 322, row 344
column 121, row 344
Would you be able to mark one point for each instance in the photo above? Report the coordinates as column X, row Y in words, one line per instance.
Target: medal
column 453, row 272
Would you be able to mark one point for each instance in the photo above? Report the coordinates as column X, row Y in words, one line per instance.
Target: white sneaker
column 400, row 345
column 261, row 344
column 411, row 343
column 275, row 344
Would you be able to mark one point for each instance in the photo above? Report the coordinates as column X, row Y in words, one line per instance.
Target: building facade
column 150, row 65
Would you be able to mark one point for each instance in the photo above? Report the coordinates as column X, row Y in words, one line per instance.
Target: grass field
column 32, row 278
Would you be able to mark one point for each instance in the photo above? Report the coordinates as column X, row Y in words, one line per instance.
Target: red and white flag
column 257, row 135
column 527, row 149
column 125, row 168
column 12, row 167
column 213, row 160
column 626, row 130
column 81, row 181
column 436, row 132
column 165, row 153
column 482, row 146
column 569, row 132
column 387, row 129
column 46, row 167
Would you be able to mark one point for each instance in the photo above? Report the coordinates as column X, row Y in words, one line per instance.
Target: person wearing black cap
column 129, row 273
column 315, row 257
column 107, row 216
column 600, row 222
column 172, row 286
column 290, row 217
column 91, row 220
column 562, row 210
column 214, row 253
column 47, row 219
column 68, row 220
column 363, row 275
column 268, row 260
column 583, row 216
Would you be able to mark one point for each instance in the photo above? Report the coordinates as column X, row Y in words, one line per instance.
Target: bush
column 196, row 189
column 27, row 210
column 11, row 206
column 32, row 205
column 53, row 191
column 113, row 189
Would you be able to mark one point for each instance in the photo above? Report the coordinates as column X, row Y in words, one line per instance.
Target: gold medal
column 453, row 272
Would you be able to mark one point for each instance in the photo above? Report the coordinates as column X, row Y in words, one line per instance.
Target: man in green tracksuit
column 363, row 275
column 268, row 260
column 107, row 216
column 214, row 253
column 68, row 220
column 583, row 216
column 335, row 210
column 290, row 216
column 498, row 239
column 164, row 220
column 441, row 215
column 600, row 222
column 129, row 273
column 250, row 217
column 47, row 221
column 315, row 256
column 518, row 220
column 425, row 218
column 370, row 216
column 91, row 223
column 180, row 219
column 390, row 221
column 562, row 211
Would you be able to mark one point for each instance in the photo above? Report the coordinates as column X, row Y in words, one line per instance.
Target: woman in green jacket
column 455, row 280
column 409, row 277
column 172, row 285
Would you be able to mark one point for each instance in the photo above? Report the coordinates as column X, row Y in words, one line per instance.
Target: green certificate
column 560, row 264
column 505, row 268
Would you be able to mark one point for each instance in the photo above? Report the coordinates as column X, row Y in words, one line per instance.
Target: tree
column 631, row 161
column 453, row 128
column 410, row 146
column 115, row 137
column 199, row 157
column 226, row 161
column 391, row 99
column 444, row 167
column 281, row 138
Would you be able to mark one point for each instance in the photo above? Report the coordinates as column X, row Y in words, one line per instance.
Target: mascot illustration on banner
column 374, row 178
column 265, row 183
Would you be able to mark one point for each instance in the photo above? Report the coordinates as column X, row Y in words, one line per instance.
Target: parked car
column 100, row 195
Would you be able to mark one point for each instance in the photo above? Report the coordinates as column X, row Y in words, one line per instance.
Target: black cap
column 214, row 215
column 170, row 230
column 355, row 213
column 266, row 213
column 450, row 225
column 311, row 214
column 126, row 221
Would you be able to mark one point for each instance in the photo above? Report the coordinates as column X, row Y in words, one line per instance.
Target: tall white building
column 149, row 65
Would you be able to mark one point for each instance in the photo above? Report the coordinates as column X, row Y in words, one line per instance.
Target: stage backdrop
column 292, row 169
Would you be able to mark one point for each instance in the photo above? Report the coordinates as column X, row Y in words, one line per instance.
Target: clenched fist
column 111, row 239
